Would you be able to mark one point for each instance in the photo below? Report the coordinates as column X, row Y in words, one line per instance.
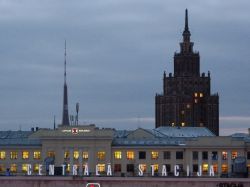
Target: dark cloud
column 117, row 52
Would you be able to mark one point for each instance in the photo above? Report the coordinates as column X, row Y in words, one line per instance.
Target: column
column 173, row 160
column 199, row 159
column 191, row 162
column 80, row 162
column 71, row 162
column 209, row 160
column 219, row 163
column 229, row 162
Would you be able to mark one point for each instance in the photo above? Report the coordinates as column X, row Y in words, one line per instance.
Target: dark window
column 142, row 155
column 130, row 167
column 180, row 167
column 179, row 155
column 168, row 167
column 204, row 155
column 118, row 168
column 195, row 155
column 248, row 155
column 167, row 155
column 195, row 168
column 214, row 155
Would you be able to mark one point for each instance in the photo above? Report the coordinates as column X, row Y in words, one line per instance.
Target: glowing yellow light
column 118, row 155
column 101, row 155
column 130, row 155
column 154, row 155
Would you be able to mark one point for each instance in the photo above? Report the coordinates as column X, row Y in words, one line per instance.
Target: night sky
column 117, row 51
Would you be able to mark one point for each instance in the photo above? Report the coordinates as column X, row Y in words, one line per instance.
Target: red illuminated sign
column 74, row 130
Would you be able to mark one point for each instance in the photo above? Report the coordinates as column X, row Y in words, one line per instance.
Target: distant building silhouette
column 186, row 98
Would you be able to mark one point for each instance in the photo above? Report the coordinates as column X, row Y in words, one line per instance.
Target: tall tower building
column 186, row 100
column 65, row 116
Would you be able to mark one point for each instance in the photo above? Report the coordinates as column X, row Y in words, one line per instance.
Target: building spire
column 186, row 21
column 65, row 117
column 186, row 45
column 65, row 62
column 186, row 33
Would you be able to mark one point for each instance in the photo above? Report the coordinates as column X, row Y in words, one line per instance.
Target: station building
column 122, row 149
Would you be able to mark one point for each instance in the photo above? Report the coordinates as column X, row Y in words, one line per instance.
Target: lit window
column 67, row 167
column 36, row 167
column 172, row 124
column 154, row 155
column 24, row 168
column 51, row 153
column 182, row 112
column 85, row 155
column 25, row 155
column 101, row 168
column 156, row 167
column 101, row 155
column 13, row 155
column 2, row 169
column 201, row 94
column 196, row 94
column 13, row 168
column 76, row 155
column 118, row 155
column 205, row 168
column 130, row 155
column 37, row 154
column 188, row 106
column 143, row 167
column 234, row 154
column 183, row 124
column 66, row 154
column 224, row 168
column 196, row 100
column 224, row 155
column 2, row 155
column 215, row 168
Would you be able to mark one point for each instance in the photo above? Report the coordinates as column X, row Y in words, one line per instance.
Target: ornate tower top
column 186, row 45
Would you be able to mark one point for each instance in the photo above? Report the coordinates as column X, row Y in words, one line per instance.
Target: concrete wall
column 44, row 181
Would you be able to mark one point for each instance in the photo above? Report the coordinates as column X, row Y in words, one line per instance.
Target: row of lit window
column 130, row 155
column 13, row 168
column 198, row 94
column 25, row 155
column 76, row 155
column 195, row 167
column 117, row 168
column 85, row 155
column 214, row 155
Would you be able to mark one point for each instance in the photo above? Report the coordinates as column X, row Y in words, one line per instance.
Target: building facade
column 124, row 151
column 187, row 98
